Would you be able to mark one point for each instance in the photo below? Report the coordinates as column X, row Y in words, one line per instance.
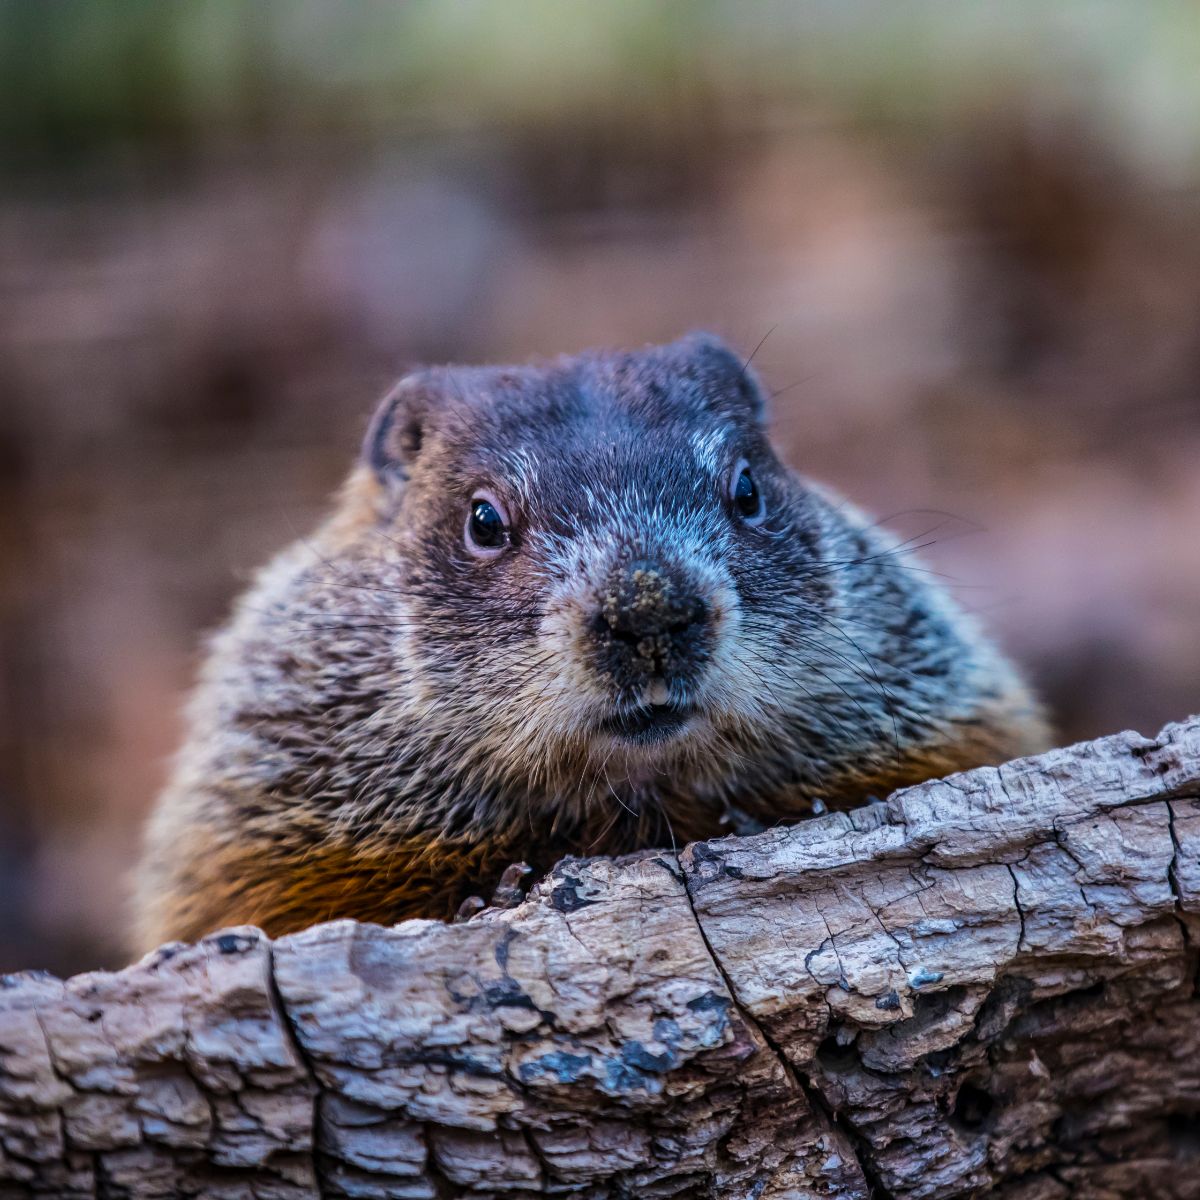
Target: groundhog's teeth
column 656, row 692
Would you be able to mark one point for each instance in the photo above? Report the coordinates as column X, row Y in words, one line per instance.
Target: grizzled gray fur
column 578, row 607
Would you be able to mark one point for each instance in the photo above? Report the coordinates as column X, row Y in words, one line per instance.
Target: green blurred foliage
column 77, row 75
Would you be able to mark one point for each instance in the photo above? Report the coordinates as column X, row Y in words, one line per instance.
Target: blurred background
column 972, row 230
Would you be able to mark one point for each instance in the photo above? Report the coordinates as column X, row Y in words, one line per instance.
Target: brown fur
column 389, row 721
column 286, row 891
column 282, row 890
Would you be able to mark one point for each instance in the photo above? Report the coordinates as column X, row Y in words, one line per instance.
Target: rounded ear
column 720, row 367
column 397, row 429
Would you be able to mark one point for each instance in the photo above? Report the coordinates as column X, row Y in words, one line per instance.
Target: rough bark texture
column 987, row 985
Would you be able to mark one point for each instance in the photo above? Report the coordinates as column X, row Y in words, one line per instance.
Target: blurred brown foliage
column 984, row 300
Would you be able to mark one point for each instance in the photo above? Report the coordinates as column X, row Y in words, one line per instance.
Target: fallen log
column 986, row 985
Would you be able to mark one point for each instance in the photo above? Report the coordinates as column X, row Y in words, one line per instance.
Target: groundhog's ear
column 722, row 371
column 397, row 429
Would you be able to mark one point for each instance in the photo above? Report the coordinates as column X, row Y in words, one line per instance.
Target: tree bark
column 986, row 985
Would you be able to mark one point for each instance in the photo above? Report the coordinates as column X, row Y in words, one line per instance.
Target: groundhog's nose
column 651, row 624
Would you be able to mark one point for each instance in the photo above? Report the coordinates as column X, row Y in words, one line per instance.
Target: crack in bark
column 858, row 1142
column 441, row 1182
column 535, row 1152
column 1179, row 913
column 799, row 1082
column 100, row 1179
column 292, row 1034
column 1021, row 944
column 1173, row 872
column 66, row 1082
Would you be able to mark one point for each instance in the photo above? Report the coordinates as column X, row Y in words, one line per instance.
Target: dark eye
column 747, row 499
column 486, row 532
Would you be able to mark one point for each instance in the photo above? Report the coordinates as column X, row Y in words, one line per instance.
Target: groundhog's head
column 604, row 561
column 594, row 575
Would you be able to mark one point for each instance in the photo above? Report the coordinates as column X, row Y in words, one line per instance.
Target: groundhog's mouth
column 649, row 723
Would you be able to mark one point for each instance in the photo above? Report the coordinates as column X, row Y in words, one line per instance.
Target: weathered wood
column 987, row 985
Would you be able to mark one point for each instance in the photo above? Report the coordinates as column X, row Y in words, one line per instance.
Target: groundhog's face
column 604, row 566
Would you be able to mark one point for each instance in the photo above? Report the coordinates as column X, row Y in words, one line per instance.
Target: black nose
column 651, row 624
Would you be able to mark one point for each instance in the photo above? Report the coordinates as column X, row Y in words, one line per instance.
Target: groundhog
column 573, row 608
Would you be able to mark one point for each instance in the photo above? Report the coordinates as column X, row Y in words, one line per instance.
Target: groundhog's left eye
column 747, row 499
column 486, row 530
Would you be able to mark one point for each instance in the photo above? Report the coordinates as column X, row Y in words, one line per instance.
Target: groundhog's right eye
column 747, row 499
column 486, row 532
